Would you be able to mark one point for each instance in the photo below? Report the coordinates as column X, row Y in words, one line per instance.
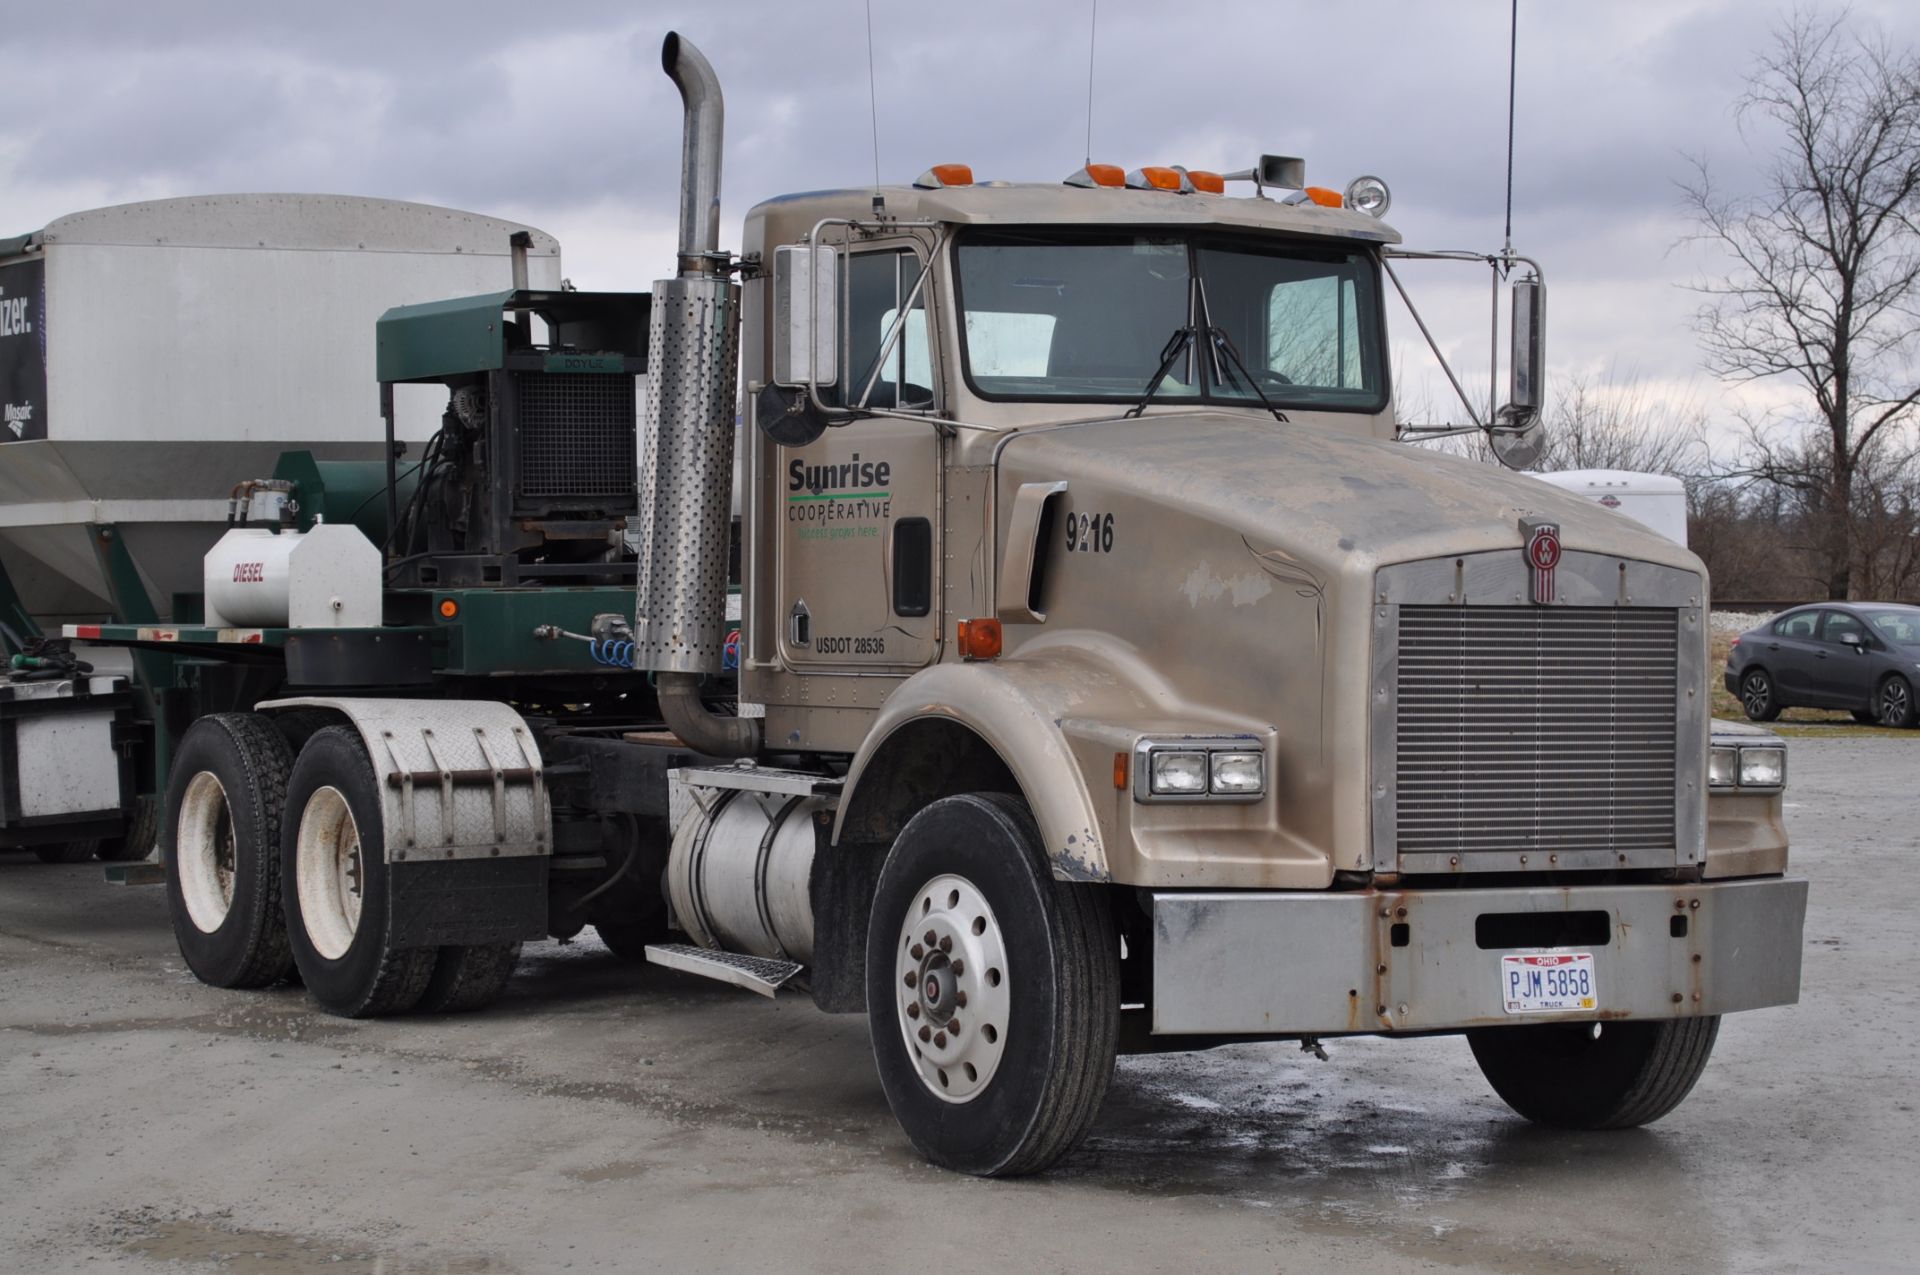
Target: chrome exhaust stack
column 686, row 445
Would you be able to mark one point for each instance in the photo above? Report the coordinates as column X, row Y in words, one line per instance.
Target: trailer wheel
column 332, row 854
column 67, row 851
column 143, row 829
column 467, row 978
column 1617, row 1075
column 222, row 850
column 993, row 991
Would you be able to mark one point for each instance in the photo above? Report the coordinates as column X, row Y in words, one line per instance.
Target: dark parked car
column 1863, row 657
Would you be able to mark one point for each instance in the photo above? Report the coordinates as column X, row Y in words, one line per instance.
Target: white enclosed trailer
column 1658, row 501
column 149, row 351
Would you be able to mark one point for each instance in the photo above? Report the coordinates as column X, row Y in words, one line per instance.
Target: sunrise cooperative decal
column 840, row 501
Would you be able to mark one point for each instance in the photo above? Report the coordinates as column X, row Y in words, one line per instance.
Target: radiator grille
column 577, row 437
column 1535, row 728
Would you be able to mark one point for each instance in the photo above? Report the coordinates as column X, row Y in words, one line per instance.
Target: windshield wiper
column 1177, row 344
column 1222, row 343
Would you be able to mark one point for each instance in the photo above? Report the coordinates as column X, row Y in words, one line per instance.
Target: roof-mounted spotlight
column 1369, row 195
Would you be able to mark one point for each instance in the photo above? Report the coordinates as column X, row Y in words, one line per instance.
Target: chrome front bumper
column 1324, row 963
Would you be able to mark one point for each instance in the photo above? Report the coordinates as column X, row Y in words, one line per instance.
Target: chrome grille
column 1535, row 728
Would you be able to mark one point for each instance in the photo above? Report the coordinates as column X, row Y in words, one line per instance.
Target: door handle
column 1773, row 646
column 800, row 624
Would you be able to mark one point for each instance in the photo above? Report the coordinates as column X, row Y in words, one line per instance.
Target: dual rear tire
column 279, row 865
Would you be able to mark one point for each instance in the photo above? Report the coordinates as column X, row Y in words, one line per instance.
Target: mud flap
column 467, row 901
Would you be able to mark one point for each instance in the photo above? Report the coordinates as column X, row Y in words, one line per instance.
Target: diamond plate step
column 755, row 973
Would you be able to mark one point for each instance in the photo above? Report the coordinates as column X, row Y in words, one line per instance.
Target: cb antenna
column 873, row 108
column 1513, row 63
column 1093, row 26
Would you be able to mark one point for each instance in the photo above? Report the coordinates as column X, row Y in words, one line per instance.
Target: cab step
column 761, row 974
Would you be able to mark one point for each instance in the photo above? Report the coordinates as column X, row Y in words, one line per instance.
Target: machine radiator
column 1548, row 729
column 576, row 436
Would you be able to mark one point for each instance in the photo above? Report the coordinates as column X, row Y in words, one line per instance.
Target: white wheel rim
column 329, row 867
column 204, row 852
column 952, row 978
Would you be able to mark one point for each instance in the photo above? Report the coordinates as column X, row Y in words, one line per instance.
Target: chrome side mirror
column 806, row 321
column 1517, row 435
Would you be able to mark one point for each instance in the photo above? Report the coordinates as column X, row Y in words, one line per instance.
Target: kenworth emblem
column 1542, row 541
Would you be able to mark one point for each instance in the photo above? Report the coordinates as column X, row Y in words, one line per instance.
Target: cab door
column 859, row 518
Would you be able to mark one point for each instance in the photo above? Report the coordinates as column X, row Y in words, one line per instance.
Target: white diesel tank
column 153, row 354
column 327, row 578
column 1658, row 501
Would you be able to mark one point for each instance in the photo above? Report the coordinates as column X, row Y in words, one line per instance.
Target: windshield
column 1077, row 316
column 1897, row 623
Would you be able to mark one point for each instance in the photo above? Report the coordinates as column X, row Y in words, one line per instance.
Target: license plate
column 1549, row 983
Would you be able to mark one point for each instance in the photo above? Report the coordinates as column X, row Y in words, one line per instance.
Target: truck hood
column 1325, row 497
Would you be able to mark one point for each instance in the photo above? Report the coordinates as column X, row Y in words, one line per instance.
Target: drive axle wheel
column 993, row 991
column 66, row 851
column 334, row 854
column 1617, row 1075
column 221, row 845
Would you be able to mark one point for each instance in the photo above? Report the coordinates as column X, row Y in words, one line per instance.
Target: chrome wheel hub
column 950, row 973
column 1893, row 703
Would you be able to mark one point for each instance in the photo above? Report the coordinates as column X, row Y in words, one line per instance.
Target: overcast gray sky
column 558, row 115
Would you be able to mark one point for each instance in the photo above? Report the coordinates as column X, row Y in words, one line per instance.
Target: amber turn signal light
column 448, row 608
column 979, row 639
column 1324, row 197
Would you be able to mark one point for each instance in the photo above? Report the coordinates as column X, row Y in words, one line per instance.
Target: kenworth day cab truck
column 1102, row 674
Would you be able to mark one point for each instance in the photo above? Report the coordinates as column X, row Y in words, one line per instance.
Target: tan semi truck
column 1108, row 674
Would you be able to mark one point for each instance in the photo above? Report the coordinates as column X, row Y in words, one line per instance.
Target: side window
column 1839, row 622
column 877, row 286
column 1799, row 625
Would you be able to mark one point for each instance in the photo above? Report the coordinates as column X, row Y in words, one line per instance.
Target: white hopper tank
column 153, row 354
column 1658, row 501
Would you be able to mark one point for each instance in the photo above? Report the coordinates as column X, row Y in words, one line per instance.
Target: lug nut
column 931, row 938
column 946, row 943
column 953, row 1025
column 939, row 1039
column 926, row 1032
column 919, row 953
column 959, row 968
column 960, row 997
column 912, row 978
column 913, row 1009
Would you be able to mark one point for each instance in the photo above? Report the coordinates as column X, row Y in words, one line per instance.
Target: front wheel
column 993, row 991
column 1757, row 695
column 333, row 855
column 1894, row 705
column 1616, row 1075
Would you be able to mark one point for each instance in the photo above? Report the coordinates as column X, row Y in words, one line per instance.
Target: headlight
column 1239, row 774
column 1735, row 767
column 1763, row 767
column 1199, row 768
column 1179, row 773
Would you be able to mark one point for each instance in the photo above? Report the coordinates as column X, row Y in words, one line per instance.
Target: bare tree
column 1824, row 283
column 1609, row 424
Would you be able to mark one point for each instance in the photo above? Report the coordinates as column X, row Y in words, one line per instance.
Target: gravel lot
column 610, row 1117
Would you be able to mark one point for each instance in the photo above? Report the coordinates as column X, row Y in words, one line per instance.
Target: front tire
column 221, row 845
column 1894, row 704
column 333, row 856
column 1757, row 695
column 994, row 1038
column 1617, row 1075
